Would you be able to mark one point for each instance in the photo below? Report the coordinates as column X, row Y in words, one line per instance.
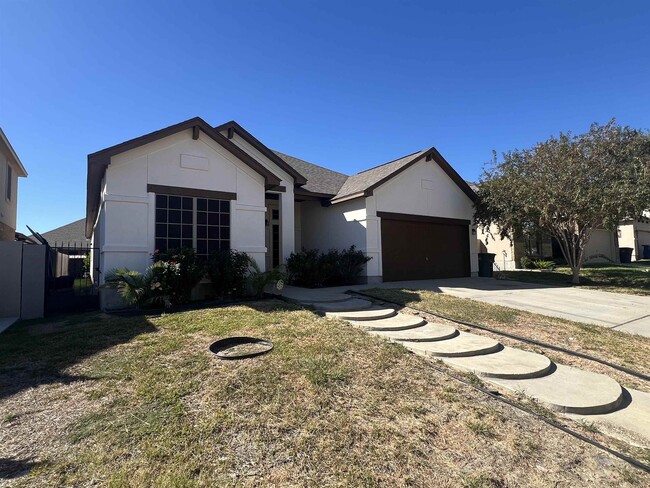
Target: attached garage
column 417, row 247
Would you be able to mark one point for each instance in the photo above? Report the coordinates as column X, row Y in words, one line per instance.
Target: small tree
column 568, row 186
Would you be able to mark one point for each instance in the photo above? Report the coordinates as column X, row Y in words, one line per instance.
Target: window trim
column 191, row 192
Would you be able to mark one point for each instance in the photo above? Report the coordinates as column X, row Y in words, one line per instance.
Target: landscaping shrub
column 134, row 287
column 312, row 268
column 178, row 271
column 228, row 271
column 526, row 263
column 350, row 265
column 167, row 282
column 305, row 268
column 543, row 264
column 258, row 280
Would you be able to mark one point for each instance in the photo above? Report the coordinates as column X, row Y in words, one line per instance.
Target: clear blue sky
column 344, row 84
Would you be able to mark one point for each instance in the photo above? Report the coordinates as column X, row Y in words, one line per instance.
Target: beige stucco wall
column 506, row 253
column 126, row 231
column 423, row 189
column 635, row 235
column 8, row 208
column 335, row 227
column 602, row 243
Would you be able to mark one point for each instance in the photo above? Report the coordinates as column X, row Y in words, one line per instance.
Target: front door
column 272, row 234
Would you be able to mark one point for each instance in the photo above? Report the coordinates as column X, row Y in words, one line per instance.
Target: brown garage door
column 417, row 248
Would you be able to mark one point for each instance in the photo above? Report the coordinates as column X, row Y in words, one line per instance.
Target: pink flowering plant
column 176, row 273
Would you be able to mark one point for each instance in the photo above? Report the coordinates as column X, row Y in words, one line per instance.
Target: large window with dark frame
column 200, row 223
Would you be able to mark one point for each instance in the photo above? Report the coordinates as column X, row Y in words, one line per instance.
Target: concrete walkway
column 564, row 389
column 627, row 313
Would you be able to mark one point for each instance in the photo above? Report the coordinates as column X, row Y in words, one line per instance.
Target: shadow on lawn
column 402, row 296
column 14, row 468
column 38, row 353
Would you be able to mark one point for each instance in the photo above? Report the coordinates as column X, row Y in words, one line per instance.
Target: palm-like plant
column 134, row 287
column 258, row 280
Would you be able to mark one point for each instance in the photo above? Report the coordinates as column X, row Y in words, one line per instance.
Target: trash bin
column 485, row 264
column 625, row 254
column 646, row 251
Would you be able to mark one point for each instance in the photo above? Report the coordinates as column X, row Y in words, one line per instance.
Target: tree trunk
column 576, row 274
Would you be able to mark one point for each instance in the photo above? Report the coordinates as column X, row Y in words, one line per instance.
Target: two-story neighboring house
column 10, row 170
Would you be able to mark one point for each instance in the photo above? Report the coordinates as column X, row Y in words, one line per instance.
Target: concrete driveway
column 628, row 313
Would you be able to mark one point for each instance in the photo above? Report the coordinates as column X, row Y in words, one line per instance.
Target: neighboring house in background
column 71, row 246
column 212, row 188
column 10, row 170
column 22, row 266
column 72, row 234
column 601, row 248
column 635, row 234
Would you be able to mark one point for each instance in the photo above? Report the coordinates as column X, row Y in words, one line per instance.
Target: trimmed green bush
column 312, row 268
column 228, row 271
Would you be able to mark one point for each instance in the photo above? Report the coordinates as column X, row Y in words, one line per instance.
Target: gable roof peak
column 299, row 179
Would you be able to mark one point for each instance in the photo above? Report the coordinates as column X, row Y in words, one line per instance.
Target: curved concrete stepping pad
column 347, row 305
column 464, row 344
column 427, row 333
column 571, row 390
column 508, row 363
column 372, row 313
column 631, row 422
column 398, row 322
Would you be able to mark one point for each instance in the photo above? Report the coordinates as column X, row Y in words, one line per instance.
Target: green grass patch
column 632, row 279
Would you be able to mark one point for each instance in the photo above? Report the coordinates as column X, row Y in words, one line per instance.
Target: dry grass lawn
column 631, row 351
column 97, row 400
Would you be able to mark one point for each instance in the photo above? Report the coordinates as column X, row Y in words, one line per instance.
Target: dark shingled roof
column 364, row 180
column 74, row 232
column 319, row 180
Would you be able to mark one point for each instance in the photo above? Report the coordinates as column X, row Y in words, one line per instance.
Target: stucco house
column 10, row 170
column 192, row 184
column 601, row 248
column 635, row 233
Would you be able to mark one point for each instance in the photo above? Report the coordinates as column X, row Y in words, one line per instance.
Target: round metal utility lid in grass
column 240, row 347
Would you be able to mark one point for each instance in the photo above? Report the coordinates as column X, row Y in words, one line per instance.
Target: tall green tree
column 568, row 186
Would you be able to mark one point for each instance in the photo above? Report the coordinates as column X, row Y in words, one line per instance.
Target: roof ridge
column 391, row 161
column 309, row 162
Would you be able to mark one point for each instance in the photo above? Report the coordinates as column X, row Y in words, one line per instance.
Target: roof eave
column 99, row 161
column 352, row 196
column 22, row 172
column 299, row 180
column 453, row 174
column 431, row 153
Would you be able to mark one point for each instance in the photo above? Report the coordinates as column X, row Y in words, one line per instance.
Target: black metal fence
column 70, row 280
